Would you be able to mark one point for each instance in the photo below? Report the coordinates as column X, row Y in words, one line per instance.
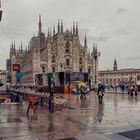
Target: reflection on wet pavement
column 82, row 118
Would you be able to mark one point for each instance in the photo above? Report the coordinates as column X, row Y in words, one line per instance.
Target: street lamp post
column 51, row 84
column 95, row 55
column 0, row 11
column 43, row 74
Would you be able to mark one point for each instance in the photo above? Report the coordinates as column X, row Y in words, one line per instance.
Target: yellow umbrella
column 82, row 84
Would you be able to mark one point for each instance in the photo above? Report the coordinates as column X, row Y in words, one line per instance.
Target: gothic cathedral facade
column 56, row 52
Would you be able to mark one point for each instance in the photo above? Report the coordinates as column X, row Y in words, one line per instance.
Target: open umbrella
column 82, row 84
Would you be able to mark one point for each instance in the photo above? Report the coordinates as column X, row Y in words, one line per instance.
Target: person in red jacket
column 128, row 90
column 33, row 103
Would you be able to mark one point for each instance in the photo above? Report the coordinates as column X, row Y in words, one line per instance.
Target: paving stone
column 82, row 120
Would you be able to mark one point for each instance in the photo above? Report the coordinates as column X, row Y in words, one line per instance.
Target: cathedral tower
column 115, row 67
column 40, row 26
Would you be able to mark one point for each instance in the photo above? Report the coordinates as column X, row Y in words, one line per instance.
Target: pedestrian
column 102, row 88
column 128, row 90
column 84, row 92
column 33, row 103
column 123, row 88
column 136, row 90
column 82, row 96
column 100, row 94
column 131, row 90
column 77, row 89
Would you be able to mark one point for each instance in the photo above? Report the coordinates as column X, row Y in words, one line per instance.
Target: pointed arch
column 53, row 59
column 67, row 62
column 67, row 47
column 80, row 60
column 53, row 69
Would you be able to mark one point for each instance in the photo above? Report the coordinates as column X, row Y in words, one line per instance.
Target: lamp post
column 43, row 74
column 0, row 11
column 51, row 84
column 95, row 55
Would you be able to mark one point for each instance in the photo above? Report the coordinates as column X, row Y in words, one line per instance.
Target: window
column 107, row 80
column 80, row 60
column 43, row 69
column 89, row 70
column 67, row 62
column 80, row 69
column 53, row 59
column 53, row 69
column 67, row 47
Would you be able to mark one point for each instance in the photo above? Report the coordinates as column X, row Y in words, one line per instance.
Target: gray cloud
column 115, row 31
column 121, row 10
column 133, row 58
column 102, row 38
column 122, row 31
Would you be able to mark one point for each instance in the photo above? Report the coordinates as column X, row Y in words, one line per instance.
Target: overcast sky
column 113, row 24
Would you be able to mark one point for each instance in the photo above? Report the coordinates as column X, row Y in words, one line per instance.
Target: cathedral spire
column 14, row 45
column 85, row 42
column 58, row 27
column 10, row 46
column 94, row 47
column 53, row 30
column 77, row 34
column 28, row 47
column 73, row 28
column 26, row 50
column 21, row 47
column 40, row 25
column 48, row 32
column 115, row 67
column 61, row 26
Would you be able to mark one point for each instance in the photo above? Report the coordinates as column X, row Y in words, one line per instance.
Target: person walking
column 77, row 90
column 100, row 94
column 131, row 90
column 33, row 103
column 82, row 96
column 128, row 90
column 136, row 90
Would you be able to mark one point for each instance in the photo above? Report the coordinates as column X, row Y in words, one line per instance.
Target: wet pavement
column 82, row 120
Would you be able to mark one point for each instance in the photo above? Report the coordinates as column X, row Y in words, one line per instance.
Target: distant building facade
column 116, row 76
column 8, row 69
column 56, row 52
column 2, row 75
